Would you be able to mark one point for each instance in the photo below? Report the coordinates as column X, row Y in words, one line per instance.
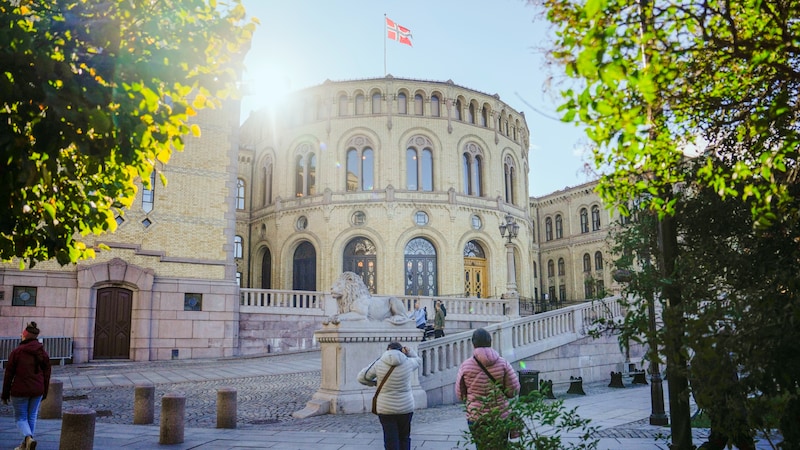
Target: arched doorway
column 475, row 271
column 266, row 270
column 360, row 256
column 420, row 268
column 304, row 274
column 112, row 325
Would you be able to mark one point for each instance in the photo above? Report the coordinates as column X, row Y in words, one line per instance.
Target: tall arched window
column 420, row 268
column 598, row 261
column 509, row 176
column 484, row 116
column 239, row 193
column 587, row 263
column 148, row 193
column 435, row 106
column 471, row 113
column 402, row 103
column 584, row 220
column 472, row 170
column 535, row 274
column 457, row 112
column 561, row 267
column 266, row 269
column 559, row 227
column 418, row 104
column 419, row 164
column 305, row 172
column 342, row 105
column 266, row 182
column 360, row 257
column 360, row 165
column 595, row 218
column 238, row 247
column 376, row 103
column 551, row 268
column 359, row 104
column 548, row 229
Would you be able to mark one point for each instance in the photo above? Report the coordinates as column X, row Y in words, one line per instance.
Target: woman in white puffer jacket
column 395, row 405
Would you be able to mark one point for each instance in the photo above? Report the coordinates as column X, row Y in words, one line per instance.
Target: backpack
column 444, row 310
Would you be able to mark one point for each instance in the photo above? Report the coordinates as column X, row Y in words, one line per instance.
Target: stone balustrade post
column 173, row 416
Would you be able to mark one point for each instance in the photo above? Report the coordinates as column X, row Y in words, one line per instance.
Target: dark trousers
column 396, row 431
column 438, row 333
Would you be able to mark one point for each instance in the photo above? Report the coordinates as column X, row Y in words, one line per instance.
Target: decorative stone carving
column 356, row 303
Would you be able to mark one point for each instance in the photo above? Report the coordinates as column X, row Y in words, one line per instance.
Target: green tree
column 96, row 94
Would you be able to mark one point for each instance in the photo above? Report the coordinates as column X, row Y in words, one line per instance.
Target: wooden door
column 112, row 326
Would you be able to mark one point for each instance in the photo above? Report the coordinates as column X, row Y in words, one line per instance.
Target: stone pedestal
column 51, row 406
column 144, row 404
column 345, row 349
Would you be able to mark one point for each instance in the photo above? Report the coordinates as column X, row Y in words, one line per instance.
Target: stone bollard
column 173, row 409
column 77, row 429
column 51, row 406
column 226, row 407
column 144, row 404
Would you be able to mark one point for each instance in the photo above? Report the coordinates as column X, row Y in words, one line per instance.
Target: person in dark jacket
column 26, row 382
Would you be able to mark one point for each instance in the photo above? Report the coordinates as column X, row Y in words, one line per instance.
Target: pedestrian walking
column 420, row 316
column 438, row 319
column 26, row 381
column 486, row 381
column 393, row 373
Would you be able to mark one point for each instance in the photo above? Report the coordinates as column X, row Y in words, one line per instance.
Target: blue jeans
column 26, row 411
column 396, row 431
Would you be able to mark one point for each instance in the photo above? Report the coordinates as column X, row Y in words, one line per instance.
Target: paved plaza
column 270, row 388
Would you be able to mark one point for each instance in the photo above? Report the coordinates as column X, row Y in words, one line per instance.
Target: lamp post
column 509, row 230
column 657, row 414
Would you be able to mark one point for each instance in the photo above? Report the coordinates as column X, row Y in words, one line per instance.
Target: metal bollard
column 173, row 409
column 51, row 406
column 77, row 429
column 144, row 403
column 226, row 407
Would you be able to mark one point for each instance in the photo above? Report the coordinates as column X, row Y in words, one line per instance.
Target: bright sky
column 486, row 45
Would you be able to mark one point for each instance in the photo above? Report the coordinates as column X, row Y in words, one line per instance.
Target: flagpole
column 384, row 44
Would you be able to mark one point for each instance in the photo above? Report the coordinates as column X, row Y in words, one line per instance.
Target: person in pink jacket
column 474, row 385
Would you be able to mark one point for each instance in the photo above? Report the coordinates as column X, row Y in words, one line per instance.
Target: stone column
column 173, row 412
column 77, row 429
column 51, row 406
column 144, row 403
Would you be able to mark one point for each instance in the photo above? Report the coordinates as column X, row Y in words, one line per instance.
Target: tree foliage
column 93, row 96
column 656, row 76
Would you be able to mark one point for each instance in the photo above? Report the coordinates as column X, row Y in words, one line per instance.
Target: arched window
column 266, row 270
column 559, row 227
column 402, row 103
column 584, row 220
column 304, row 268
column 376, row 103
column 418, row 104
column 535, row 274
column 419, row 164
column 305, row 172
column 587, row 263
column 420, row 268
column 484, row 116
column 472, row 170
column 598, row 261
column 360, row 164
column 266, row 183
column 360, row 257
column 509, row 176
column 561, row 267
column 595, row 218
column 237, row 247
column 239, row 193
column 471, row 114
column 435, row 106
column 548, row 229
column 342, row 105
column 551, row 272
column 359, row 104
column 457, row 112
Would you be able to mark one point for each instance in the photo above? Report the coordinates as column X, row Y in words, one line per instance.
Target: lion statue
column 356, row 303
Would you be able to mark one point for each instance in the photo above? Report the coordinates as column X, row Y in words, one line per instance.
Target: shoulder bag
column 375, row 397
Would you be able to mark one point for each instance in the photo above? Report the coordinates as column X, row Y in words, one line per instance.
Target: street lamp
column 657, row 414
column 509, row 230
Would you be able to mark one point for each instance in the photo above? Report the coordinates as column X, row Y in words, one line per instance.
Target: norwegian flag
column 398, row 33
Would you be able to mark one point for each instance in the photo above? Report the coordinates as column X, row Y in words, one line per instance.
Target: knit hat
column 481, row 338
column 32, row 329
